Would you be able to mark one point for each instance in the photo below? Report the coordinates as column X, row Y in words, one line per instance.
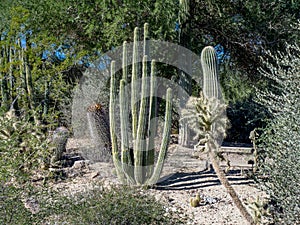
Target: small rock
column 94, row 175
column 32, row 205
column 79, row 164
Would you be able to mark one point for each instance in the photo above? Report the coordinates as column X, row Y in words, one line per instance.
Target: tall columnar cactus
column 211, row 87
column 213, row 120
column 137, row 163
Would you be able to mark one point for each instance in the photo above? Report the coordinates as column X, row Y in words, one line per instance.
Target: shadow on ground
column 202, row 179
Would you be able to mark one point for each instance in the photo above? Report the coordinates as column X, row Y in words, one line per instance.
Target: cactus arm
column 140, row 145
column 146, row 38
column 152, row 121
column 4, row 87
column 124, row 62
column 112, row 106
column 127, row 164
column 134, row 77
column 210, row 74
column 165, row 141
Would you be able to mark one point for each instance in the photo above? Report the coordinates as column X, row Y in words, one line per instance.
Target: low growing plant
column 115, row 205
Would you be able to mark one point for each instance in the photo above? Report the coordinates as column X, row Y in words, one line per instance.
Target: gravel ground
column 179, row 185
column 177, row 190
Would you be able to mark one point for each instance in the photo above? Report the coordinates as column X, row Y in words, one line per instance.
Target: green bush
column 114, row 205
column 23, row 147
column 280, row 142
column 117, row 205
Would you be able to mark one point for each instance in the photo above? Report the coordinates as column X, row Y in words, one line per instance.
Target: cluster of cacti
column 210, row 121
column 137, row 162
column 15, row 72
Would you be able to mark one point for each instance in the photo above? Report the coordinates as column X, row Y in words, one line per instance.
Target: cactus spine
column 214, row 126
column 137, row 166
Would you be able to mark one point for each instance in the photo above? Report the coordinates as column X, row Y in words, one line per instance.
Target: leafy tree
column 99, row 25
column 30, row 83
column 244, row 28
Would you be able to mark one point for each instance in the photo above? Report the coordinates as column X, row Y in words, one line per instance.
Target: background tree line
column 244, row 29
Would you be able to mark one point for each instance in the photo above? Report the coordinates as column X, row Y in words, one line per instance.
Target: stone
column 80, row 164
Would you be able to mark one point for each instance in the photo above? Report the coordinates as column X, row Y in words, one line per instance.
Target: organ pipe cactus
column 136, row 164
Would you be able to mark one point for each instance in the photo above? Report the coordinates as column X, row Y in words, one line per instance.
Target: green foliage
column 12, row 210
column 243, row 112
column 279, row 144
column 235, row 85
column 23, row 147
column 116, row 205
column 102, row 24
column 28, row 83
column 244, row 28
column 110, row 205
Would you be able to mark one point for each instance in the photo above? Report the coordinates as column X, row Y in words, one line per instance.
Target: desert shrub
column 12, row 210
column 116, row 205
column 280, row 142
column 23, row 147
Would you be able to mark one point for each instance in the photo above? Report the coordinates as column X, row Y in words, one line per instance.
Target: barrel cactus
column 135, row 161
column 98, row 124
column 59, row 142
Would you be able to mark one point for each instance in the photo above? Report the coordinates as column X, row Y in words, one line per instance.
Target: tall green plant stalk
column 137, row 164
column 206, row 115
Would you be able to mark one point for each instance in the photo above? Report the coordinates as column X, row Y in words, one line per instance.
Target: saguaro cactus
column 137, row 163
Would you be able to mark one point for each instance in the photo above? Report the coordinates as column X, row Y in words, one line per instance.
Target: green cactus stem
column 211, row 88
column 112, row 124
column 134, row 77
